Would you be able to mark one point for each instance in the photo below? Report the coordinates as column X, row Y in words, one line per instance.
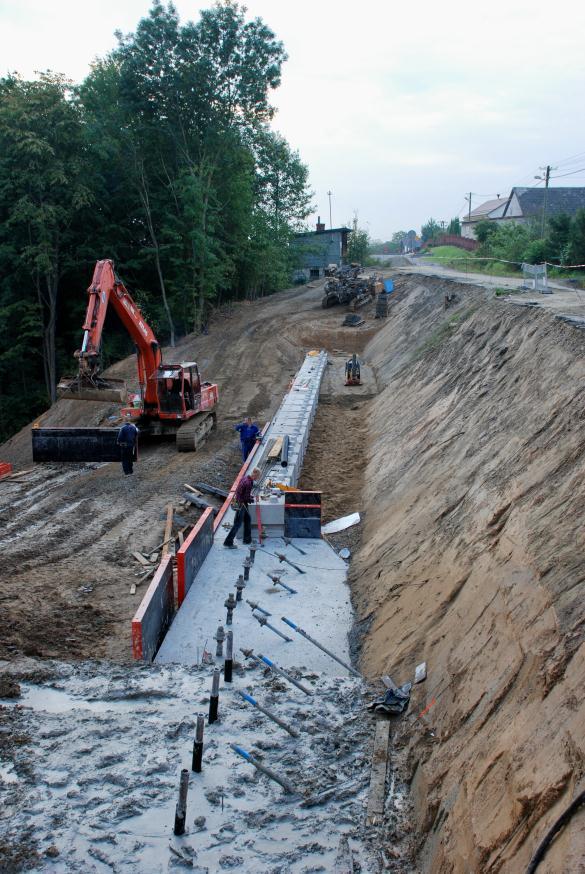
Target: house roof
column 327, row 231
column 485, row 208
column 558, row 200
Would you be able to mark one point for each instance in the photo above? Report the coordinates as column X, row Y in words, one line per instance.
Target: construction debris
column 351, row 286
column 341, row 524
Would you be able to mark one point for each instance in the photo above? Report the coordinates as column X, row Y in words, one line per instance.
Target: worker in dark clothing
column 242, row 498
column 248, row 436
column 127, row 440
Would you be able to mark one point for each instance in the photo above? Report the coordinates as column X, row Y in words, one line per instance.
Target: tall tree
column 43, row 193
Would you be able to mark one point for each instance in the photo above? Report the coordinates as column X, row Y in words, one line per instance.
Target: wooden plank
column 142, row 559
column 276, row 448
column 168, row 530
column 191, row 489
column 377, row 792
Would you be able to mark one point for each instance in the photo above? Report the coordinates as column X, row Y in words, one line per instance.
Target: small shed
column 315, row 250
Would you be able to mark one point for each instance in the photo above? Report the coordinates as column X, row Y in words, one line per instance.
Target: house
column 315, row 250
column 528, row 204
column 411, row 243
column 524, row 205
column 491, row 209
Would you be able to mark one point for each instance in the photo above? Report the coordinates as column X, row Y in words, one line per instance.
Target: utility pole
column 468, row 198
column 329, row 193
column 545, row 178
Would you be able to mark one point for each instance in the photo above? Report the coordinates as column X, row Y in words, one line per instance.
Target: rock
column 52, row 852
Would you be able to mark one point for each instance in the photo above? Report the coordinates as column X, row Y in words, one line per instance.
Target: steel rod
column 214, row 699
column 262, row 620
column 228, row 665
column 282, row 673
column 198, row 745
column 181, row 809
column 269, row 714
column 268, row 771
column 320, row 646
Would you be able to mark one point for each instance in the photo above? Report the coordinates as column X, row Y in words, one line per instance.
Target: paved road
column 563, row 299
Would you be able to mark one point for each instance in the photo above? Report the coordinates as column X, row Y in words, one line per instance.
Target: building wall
column 320, row 249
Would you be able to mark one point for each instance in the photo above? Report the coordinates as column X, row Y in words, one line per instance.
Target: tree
column 484, row 230
column 576, row 243
column 43, row 194
column 454, row 227
column 430, row 230
column 358, row 245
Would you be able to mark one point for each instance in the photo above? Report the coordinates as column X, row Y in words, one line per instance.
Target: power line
column 572, row 173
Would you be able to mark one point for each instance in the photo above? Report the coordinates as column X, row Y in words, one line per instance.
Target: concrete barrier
column 302, row 514
column 193, row 553
column 155, row 613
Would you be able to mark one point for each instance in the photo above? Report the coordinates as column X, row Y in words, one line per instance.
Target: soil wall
column 473, row 560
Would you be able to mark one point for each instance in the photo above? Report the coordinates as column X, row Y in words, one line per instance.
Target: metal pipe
column 240, row 586
column 255, row 606
column 269, row 714
column 219, row 637
column 230, row 603
column 289, row 542
column 214, row 699
column 268, row 771
column 198, row 745
column 282, row 673
column 284, row 452
column 252, row 554
column 181, row 808
column 262, row 621
column 320, row 646
column 278, row 582
column 247, row 566
column 228, row 665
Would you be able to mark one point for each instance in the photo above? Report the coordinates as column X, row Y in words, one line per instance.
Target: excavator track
column 193, row 434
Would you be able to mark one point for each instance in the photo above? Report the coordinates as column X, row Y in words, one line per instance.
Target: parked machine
column 352, row 371
column 171, row 398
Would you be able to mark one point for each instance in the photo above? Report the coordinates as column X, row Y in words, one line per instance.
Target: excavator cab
column 178, row 390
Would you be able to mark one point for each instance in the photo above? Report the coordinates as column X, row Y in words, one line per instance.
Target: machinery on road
column 171, row 399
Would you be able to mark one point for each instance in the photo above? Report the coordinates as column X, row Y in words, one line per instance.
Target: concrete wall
column 155, row 614
column 193, row 553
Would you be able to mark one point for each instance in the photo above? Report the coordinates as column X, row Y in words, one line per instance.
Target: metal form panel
column 155, row 614
column 193, row 553
column 75, row 444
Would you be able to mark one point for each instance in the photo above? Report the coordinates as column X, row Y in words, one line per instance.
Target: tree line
column 162, row 159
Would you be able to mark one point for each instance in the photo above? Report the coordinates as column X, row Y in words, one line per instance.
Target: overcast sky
column 400, row 109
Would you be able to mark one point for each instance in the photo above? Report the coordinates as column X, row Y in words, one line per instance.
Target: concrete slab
column 322, row 606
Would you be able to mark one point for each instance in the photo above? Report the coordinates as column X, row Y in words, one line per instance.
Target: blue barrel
column 388, row 286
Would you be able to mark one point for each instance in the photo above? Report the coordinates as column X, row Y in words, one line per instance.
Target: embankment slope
column 473, row 560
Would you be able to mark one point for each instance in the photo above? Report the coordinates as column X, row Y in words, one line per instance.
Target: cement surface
column 322, row 606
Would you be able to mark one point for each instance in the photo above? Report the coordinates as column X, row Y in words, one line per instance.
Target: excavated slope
column 473, row 560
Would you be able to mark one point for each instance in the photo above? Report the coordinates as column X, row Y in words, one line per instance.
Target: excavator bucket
column 106, row 390
column 75, row 444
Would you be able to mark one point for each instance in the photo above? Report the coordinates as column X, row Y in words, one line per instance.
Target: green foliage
column 163, row 160
column 454, row 227
column 358, row 244
column 430, row 229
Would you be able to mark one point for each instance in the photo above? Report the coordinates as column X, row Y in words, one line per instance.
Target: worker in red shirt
column 242, row 498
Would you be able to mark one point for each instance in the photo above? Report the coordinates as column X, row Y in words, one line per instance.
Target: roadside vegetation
column 164, row 160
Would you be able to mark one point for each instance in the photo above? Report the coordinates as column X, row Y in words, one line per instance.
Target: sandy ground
column 472, row 560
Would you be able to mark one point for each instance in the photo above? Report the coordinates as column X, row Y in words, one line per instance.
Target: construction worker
column 127, row 440
column 248, row 436
column 242, row 498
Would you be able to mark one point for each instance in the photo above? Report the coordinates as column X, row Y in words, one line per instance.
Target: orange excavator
column 171, row 399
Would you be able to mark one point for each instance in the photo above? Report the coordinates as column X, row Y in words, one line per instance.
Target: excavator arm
column 106, row 289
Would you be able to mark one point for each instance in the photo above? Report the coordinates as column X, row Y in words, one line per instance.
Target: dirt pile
column 473, row 560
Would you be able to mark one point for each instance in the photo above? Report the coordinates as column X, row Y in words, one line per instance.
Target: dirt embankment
column 473, row 560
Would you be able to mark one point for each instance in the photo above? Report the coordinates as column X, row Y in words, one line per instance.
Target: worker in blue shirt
column 127, row 441
column 248, row 436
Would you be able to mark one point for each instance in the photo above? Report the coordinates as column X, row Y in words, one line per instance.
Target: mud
column 92, row 762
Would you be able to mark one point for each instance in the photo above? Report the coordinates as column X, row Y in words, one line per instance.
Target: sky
column 400, row 110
